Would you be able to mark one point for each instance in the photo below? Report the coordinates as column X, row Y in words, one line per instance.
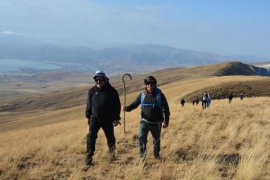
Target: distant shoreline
column 8, row 65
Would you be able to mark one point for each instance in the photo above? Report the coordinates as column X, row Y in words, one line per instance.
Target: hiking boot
column 89, row 161
column 143, row 155
column 112, row 157
column 142, row 159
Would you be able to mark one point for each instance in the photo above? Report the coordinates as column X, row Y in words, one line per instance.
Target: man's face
column 150, row 86
column 100, row 82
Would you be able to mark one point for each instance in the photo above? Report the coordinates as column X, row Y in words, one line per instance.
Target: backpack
column 158, row 94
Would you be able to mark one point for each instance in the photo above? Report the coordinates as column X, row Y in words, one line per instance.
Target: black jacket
column 152, row 113
column 103, row 104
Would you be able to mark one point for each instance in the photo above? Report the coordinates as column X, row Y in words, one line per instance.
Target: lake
column 16, row 64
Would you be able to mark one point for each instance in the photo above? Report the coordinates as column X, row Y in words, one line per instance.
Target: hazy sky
column 226, row 27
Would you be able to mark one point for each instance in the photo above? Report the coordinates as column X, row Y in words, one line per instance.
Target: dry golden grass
column 222, row 142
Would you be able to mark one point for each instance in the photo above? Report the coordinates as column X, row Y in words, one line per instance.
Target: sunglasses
column 147, row 83
column 99, row 80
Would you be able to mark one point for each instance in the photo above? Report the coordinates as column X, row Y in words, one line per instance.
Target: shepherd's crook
column 123, row 79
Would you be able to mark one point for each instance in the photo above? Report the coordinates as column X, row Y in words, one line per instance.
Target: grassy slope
column 192, row 147
column 42, row 98
column 29, row 110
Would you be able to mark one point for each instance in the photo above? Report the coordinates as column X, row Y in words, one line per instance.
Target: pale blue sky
column 225, row 27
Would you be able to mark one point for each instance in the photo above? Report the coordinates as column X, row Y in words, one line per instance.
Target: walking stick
column 123, row 79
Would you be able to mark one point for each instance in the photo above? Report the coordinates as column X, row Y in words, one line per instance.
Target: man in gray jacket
column 155, row 114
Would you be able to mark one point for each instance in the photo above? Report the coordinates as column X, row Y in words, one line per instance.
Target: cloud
column 8, row 32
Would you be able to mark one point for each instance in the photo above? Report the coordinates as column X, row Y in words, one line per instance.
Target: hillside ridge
column 77, row 95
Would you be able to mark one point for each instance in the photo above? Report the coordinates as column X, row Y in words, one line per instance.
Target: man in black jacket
column 102, row 111
column 154, row 114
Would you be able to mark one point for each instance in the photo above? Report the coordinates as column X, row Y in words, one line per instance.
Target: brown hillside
column 77, row 96
column 38, row 113
column 54, row 100
column 59, row 75
column 234, row 68
column 218, row 69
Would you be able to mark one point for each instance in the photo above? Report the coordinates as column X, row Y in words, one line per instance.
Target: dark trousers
column 155, row 130
column 94, row 127
column 204, row 104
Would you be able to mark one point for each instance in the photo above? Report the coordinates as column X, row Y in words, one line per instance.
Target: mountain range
column 121, row 58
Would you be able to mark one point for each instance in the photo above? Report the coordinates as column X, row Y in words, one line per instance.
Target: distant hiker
column 193, row 101
column 230, row 97
column 197, row 100
column 182, row 102
column 241, row 95
column 204, row 100
column 208, row 99
column 102, row 111
column 154, row 114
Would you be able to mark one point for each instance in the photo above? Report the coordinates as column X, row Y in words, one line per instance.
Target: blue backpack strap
column 142, row 98
column 158, row 94
column 142, row 101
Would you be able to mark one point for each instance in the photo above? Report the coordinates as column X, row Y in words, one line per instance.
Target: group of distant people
column 206, row 99
column 230, row 97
